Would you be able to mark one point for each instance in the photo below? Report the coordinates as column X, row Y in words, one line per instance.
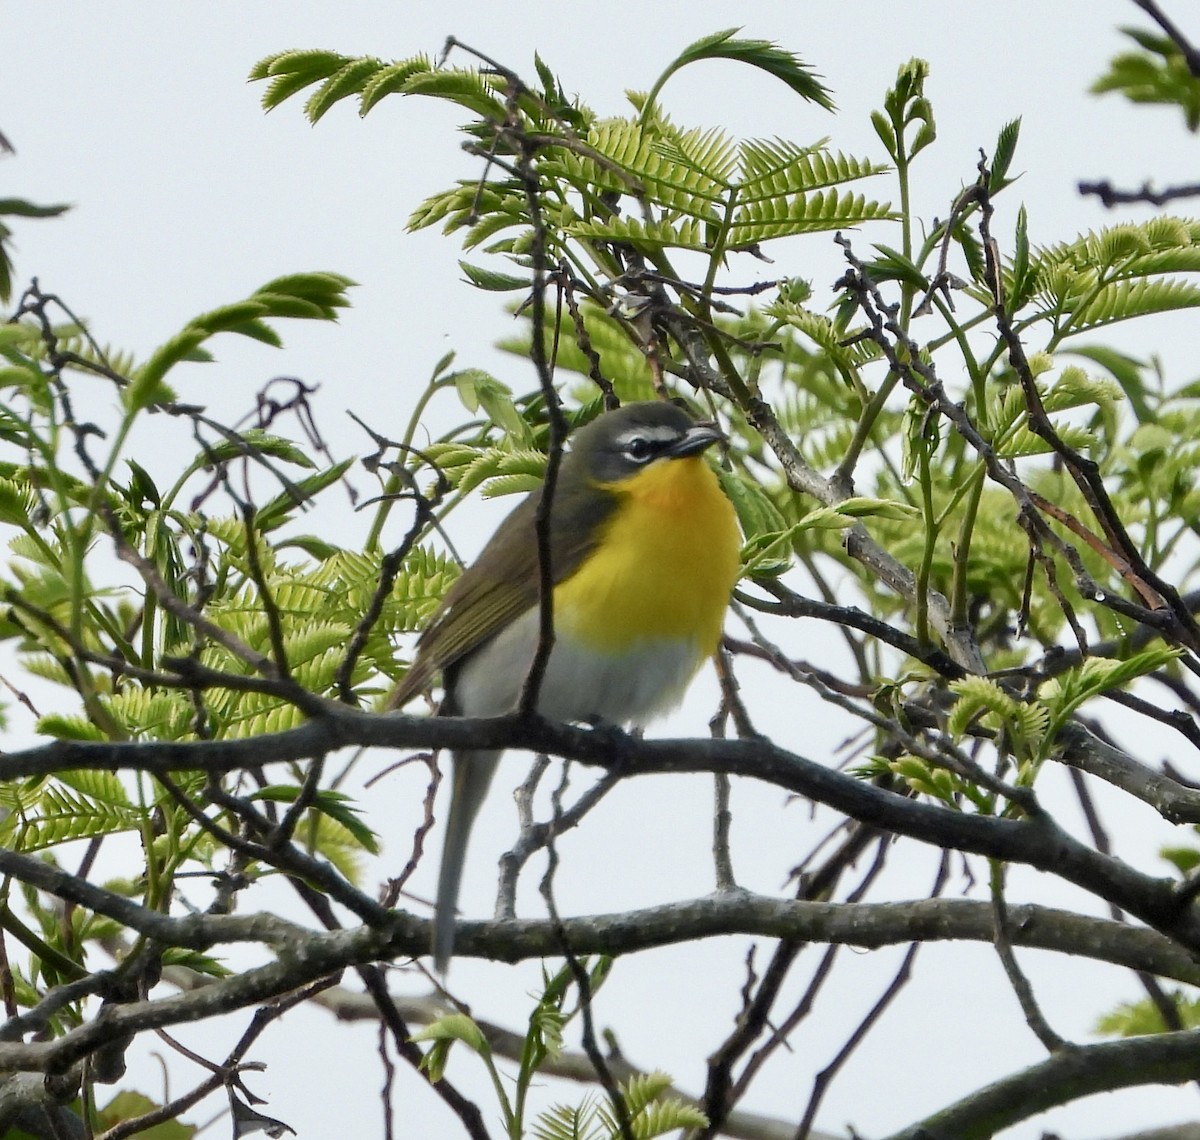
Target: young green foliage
column 1157, row 74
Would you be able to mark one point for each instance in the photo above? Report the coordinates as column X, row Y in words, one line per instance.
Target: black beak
column 694, row 441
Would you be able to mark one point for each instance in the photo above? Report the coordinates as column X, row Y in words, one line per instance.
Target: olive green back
column 503, row 582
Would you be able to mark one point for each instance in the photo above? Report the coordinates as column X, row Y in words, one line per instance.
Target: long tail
column 471, row 774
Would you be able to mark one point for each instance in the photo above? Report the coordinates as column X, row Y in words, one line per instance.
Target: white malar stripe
column 580, row 683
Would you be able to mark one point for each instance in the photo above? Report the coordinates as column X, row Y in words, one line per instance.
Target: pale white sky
column 187, row 196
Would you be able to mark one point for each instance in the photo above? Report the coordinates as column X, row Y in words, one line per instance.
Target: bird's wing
column 501, row 584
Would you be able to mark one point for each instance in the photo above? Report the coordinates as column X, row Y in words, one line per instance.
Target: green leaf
column 1159, row 74
column 303, row 295
column 905, row 104
column 885, row 131
column 818, row 212
column 1002, row 156
column 510, row 485
column 292, row 71
column 1140, row 1018
column 60, row 814
column 141, row 485
column 1022, row 280
column 18, row 335
column 350, row 79
column 493, row 281
column 229, row 316
column 982, row 699
column 390, row 80
column 478, row 389
column 648, row 237
column 468, row 89
column 323, row 287
column 1125, row 300
column 772, row 168
column 99, row 786
column 1066, row 693
column 281, row 508
column 147, row 387
column 1184, row 859
column 336, row 805
column 64, row 727
column 252, row 441
column 194, row 960
column 860, row 506
column 762, row 54
column 892, row 265
column 761, row 554
column 1126, row 370
column 923, row 778
column 495, row 462
column 654, row 1113
column 17, row 503
column 443, row 1033
column 24, row 209
column 757, row 514
column 18, row 207
column 128, row 1105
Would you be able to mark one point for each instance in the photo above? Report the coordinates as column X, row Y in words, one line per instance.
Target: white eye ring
column 639, row 449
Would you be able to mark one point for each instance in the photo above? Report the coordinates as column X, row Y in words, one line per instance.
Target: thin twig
column 901, row 978
column 1034, row 1017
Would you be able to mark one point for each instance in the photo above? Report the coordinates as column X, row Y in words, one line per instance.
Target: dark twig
column 391, row 564
column 583, row 981
column 228, row 1071
column 266, row 597
column 1191, row 54
column 531, row 183
column 1084, row 472
column 465, row 1109
column 825, row 1077
column 535, row 836
column 1166, row 1005
column 790, row 604
column 387, row 1091
column 1110, row 196
column 395, row 884
column 567, row 284
column 804, row 1007
column 725, row 879
column 1034, row 1017
column 1182, row 722
column 720, row 1095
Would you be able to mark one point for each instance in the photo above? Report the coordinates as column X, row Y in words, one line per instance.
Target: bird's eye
column 639, row 449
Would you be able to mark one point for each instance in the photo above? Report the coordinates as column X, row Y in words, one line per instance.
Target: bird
column 644, row 554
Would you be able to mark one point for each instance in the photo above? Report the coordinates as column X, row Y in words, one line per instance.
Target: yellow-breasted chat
column 644, row 556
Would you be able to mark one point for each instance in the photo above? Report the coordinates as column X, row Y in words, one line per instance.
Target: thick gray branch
column 1079, row 1071
column 1037, row 841
column 304, row 956
column 1087, row 752
column 29, row 1102
column 867, row 925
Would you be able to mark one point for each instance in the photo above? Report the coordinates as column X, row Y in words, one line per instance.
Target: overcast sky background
column 187, row 196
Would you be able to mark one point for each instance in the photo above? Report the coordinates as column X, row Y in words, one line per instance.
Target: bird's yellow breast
column 665, row 565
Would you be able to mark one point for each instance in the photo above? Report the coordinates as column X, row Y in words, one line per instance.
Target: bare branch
column 1080, row 1071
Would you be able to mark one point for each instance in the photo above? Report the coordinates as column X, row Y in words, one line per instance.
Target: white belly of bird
column 580, row 683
